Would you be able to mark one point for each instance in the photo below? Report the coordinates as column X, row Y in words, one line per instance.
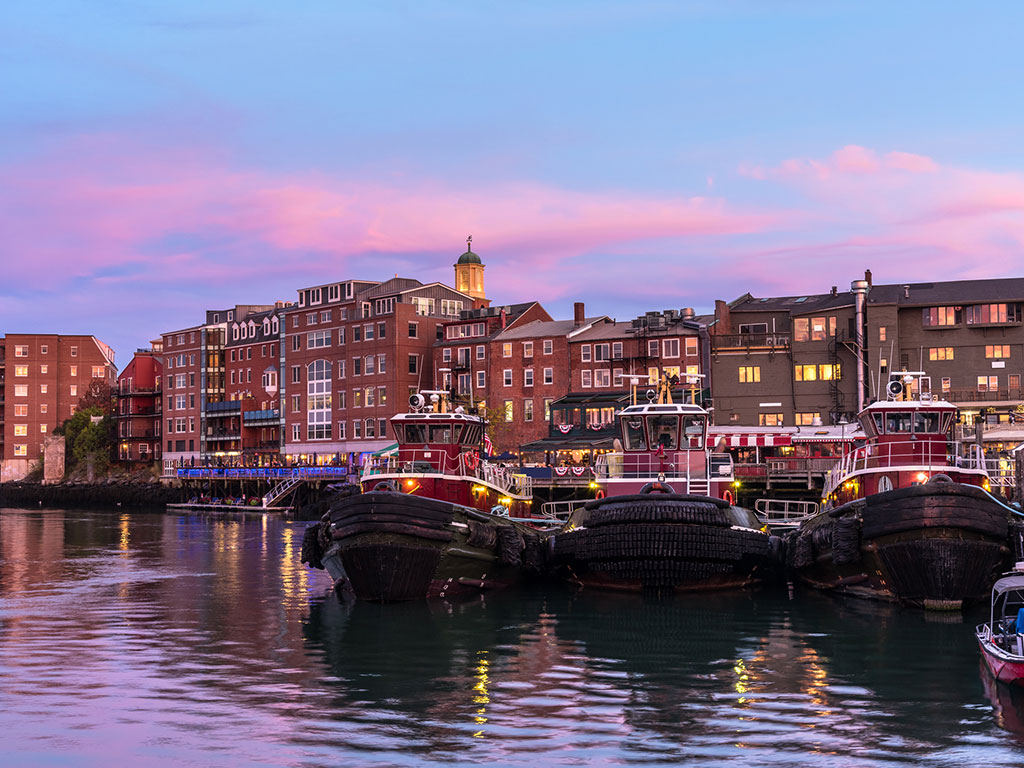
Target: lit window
column 942, row 353
column 506, row 350
column 750, row 374
column 21, row 370
column 508, row 410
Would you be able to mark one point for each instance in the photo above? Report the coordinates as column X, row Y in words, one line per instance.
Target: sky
column 158, row 159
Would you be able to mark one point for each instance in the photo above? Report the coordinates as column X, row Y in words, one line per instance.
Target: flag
column 488, row 446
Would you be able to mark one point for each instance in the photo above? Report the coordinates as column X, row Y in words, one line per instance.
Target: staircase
column 698, row 486
column 281, row 490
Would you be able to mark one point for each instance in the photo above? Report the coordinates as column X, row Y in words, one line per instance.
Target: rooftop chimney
column 867, row 277
column 906, row 291
column 578, row 314
column 835, row 289
column 503, row 316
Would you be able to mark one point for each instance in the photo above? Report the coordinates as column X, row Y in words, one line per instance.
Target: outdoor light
column 922, row 476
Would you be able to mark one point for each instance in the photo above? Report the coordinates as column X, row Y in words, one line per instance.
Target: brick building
column 354, row 352
column 194, row 379
column 45, row 375
column 139, row 411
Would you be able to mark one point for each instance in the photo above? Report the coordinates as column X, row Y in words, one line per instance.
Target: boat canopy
column 1013, row 583
column 664, row 426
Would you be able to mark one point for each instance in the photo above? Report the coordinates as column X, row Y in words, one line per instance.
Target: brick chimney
column 723, row 320
column 503, row 317
column 578, row 314
column 867, row 276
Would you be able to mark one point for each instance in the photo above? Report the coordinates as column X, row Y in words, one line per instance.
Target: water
column 167, row 640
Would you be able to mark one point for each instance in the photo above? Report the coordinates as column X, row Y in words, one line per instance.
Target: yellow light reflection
column 126, row 535
column 481, row 695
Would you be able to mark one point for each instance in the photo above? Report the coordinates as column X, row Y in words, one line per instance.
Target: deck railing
column 504, row 478
column 931, row 456
column 262, row 473
column 638, row 466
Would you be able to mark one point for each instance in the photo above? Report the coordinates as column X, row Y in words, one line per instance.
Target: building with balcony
column 45, row 376
column 139, row 408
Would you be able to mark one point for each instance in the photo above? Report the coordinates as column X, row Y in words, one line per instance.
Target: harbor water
column 173, row 640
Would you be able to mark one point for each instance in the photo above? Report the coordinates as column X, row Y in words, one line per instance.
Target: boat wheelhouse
column 908, row 441
column 665, row 442
column 439, row 457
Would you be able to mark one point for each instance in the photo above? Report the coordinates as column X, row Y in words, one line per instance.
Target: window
column 296, row 403
column 988, row 314
column 481, row 379
column 357, row 333
column 179, row 424
column 769, row 419
column 940, row 353
column 750, row 374
column 528, row 377
column 21, row 410
column 369, row 397
column 74, row 370
column 480, row 352
column 616, row 350
column 527, row 410
column 1013, row 381
column 341, row 336
column 586, row 379
column 801, row 327
column 368, row 365
column 652, row 348
column 296, row 432
column 20, row 450
column 881, row 333
column 527, row 349
column 357, row 366
column 807, row 419
column 368, row 334
column 318, row 400
column 946, row 384
column 988, row 383
column 828, row 372
column 414, row 330
column 74, row 390
column 585, row 353
column 549, row 375
column 806, row 373
column 601, row 352
column 325, row 316
column 43, row 407
column 507, row 377
column 382, row 363
column 506, row 349
column 602, row 378
column 21, row 370
column 463, row 383
column 997, row 351
column 670, row 348
column 508, row 410
column 547, row 408
column 446, row 355
column 180, row 402
column 296, row 342
column 43, row 389
column 296, row 374
column 20, row 430
column 44, row 369
column 357, row 398
column 548, row 346
column 97, row 372
column 617, row 378
column 318, row 339
column 413, row 363
column 21, row 350
column 940, row 316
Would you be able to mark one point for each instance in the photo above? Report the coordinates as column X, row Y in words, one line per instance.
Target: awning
column 748, row 439
column 387, row 450
column 582, row 443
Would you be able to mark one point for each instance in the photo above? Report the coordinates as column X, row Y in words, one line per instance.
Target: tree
column 98, row 395
column 86, row 440
column 499, row 429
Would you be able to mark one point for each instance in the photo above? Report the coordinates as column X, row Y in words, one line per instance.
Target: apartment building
column 794, row 360
column 354, row 352
column 45, row 376
column 139, row 412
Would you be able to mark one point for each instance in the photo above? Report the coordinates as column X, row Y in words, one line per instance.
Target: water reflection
column 171, row 640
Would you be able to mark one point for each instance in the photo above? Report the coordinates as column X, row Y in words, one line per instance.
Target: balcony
column 224, row 408
column 261, row 418
column 969, row 395
column 750, row 342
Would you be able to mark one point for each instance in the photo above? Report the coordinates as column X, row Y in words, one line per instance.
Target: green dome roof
column 468, row 258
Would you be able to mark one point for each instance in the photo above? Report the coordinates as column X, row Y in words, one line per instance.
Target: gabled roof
column 544, row 328
column 949, row 292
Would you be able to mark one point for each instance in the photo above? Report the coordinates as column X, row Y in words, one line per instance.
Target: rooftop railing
column 930, row 456
column 504, row 478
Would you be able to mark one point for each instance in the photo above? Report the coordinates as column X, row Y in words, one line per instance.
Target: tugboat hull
column 937, row 546
column 388, row 546
column 668, row 542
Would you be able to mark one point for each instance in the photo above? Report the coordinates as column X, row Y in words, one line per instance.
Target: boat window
column 457, row 433
column 415, row 433
column 664, row 431
column 693, row 426
column 926, row 423
column 471, row 435
column 440, row 433
column 947, row 422
column 898, row 421
column 879, row 420
column 633, row 434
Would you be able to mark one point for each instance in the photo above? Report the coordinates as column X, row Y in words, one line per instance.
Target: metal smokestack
column 859, row 288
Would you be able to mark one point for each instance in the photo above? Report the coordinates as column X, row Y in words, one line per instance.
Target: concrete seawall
column 93, row 495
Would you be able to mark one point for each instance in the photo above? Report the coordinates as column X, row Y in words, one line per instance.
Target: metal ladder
column 282, row 489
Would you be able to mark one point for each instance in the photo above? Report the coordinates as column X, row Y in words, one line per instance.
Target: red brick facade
column 44, row 378
column 139, row 408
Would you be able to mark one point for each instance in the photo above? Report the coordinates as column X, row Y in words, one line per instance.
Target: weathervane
column 469, row 243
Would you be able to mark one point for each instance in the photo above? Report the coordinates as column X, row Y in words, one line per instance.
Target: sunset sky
column 158, row 159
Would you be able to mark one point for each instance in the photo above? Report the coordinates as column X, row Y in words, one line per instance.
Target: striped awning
column 748, row 438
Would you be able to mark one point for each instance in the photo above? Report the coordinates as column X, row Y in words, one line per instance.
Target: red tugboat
column 666, row 520
column 1002, row 639
column 908, row 516
column 432, row 521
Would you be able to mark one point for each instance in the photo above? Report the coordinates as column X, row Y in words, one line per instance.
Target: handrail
column 262, row 472
column 503, row 478
column 717, row 466
column 895, row 455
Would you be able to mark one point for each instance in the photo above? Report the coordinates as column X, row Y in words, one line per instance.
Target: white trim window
column 585, row 353
column 507, row 377
column 528, row 377
column 549, row 375
column 586, row 379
